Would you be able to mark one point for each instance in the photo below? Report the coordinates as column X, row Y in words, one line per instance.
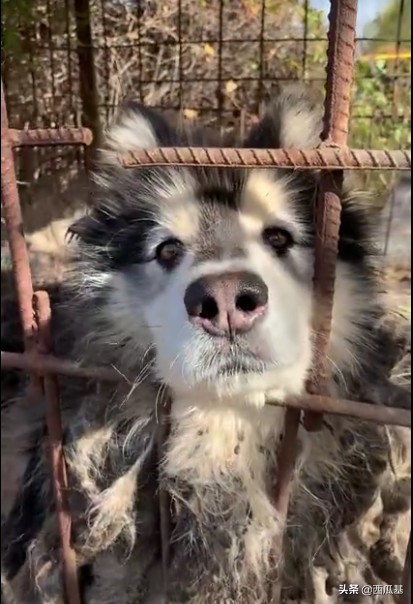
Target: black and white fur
column 122, row 308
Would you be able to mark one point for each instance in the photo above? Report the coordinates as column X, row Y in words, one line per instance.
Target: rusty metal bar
column 55, row 432
column 305, row 159
column 15, row 234
column 341, row 43
column 14, row 228
column 43, row 364
column 340, row 68
column 356, row 409
column 36, row 338
column 310, row 159
column 395, row 415
column 50, row 136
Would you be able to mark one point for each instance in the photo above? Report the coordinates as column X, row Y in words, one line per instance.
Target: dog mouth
column 238, row 364
column 232, row 369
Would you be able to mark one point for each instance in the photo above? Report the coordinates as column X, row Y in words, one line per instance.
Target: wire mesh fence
column 71, row 62
column 214, row 59
column 166, row 55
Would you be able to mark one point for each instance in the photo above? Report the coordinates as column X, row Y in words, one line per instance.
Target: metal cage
column 332, row 154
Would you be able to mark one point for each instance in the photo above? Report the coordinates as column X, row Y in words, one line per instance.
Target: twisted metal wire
column 331, row 158
column 40, row 137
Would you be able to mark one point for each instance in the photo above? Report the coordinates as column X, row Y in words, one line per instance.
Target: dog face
column 209, row 271
column 222, row 283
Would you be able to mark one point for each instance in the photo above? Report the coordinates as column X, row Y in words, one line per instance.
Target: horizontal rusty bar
column 42, row 137
column 43, row 364
column 356, row 409
column 332, row 158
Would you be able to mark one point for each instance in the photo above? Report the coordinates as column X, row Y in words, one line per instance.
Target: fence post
column 87, row 71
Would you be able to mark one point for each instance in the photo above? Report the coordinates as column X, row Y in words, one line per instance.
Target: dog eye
column 279, row 239
column 169, row 253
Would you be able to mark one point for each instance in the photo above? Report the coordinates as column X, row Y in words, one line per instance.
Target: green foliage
column 381, row 115
column 383, row 90
column 381, row 105
column 16, row 15
column 316, row 45
column 385, row 25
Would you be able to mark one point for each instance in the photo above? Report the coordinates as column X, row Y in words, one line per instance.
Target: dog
column 195, row 284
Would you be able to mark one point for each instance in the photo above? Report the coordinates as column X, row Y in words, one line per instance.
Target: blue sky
column 367, row 10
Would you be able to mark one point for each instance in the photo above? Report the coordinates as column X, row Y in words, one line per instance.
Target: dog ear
column 135, row 128
column 139, row 127
column 293, row 119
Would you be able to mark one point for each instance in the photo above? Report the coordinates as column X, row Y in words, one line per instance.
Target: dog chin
column 243, row 388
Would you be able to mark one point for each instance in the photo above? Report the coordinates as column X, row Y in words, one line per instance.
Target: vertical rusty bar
column 87, row 73
column 340, row 67
column 18, row 250
column 14, row 228
column 341, row 38
column 41, row 305
column 34, row 332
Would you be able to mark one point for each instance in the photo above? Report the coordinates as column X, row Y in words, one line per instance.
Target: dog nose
column 226, row 304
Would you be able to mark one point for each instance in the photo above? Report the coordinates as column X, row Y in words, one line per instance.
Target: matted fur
column 352, row 481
